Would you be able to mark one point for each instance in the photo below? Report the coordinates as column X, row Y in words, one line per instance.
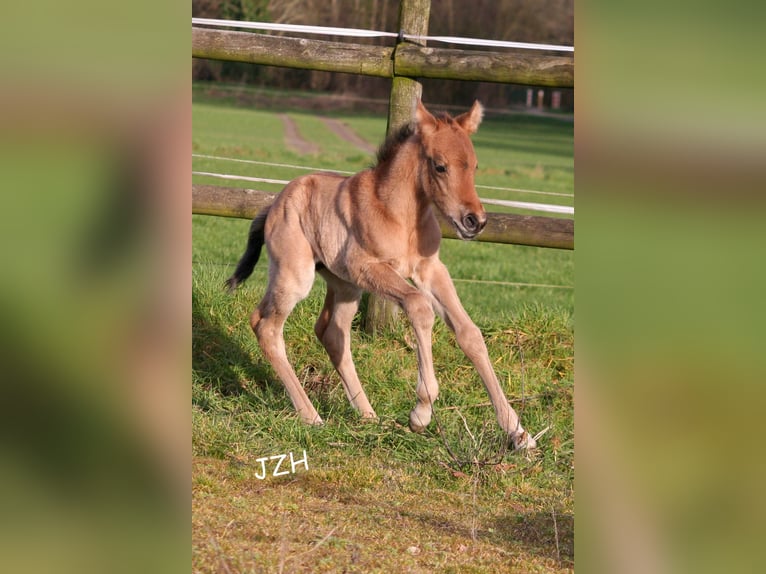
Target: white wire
column 454, row 279
column 241, row 177
column 518, row 190
column 510, row 283
column 306, row 168
column 532, row 206
column 490, row 43
column 357, row 33
column 517, row 204
column 269, row 164
column 324, row 30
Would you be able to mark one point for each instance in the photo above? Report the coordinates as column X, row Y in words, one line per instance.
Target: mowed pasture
column 375, row 496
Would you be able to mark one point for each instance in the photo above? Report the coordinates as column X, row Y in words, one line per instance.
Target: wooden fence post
column 413, row 19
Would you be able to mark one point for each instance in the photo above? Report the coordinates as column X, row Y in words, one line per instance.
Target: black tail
column 247, row 263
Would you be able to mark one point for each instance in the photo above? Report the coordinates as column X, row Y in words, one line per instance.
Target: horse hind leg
column 287, row 286
column 333, row 329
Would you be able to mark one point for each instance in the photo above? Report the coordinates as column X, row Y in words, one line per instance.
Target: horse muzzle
column 470, row 225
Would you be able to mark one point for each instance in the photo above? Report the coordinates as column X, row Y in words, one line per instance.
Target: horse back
column 344, row 221
column 309, row 210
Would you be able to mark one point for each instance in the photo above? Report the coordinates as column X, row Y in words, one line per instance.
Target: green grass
column 376, row 497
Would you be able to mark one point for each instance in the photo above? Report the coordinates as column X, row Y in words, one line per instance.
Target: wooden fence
column 405, row 60
column 501, row 227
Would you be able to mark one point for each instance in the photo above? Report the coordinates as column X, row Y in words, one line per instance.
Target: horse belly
column 331, row 250
column 329, row 239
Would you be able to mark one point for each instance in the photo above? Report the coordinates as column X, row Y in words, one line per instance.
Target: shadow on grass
column 536, row 533
column 219, row 360
column 540, row 532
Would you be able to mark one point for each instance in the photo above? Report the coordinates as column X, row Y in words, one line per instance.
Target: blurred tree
column 249, row 10
column 543, row 21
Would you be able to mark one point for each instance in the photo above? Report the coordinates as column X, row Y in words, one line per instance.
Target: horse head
column 450, row 165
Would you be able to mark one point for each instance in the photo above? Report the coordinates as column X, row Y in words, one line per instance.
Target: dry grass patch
column 367, row 516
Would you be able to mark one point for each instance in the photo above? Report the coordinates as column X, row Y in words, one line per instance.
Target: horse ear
column 470, row 120
column 425, row 120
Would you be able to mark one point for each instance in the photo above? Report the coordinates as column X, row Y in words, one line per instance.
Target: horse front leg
column 383, row 280
column 435, row 280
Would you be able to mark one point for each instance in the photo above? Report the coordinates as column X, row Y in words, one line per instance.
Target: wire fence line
column 308, row 168
column 358, row 33
column 541, row 207
column 512, row 283
column 268, row 164
column 454, row 279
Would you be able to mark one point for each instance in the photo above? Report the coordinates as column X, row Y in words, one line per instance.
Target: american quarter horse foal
column 372, row 232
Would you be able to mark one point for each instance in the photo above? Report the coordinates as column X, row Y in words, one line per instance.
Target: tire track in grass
column 345, row 133
column 294, row 140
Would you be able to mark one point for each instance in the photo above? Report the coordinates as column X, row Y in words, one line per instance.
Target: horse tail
column 255, row 241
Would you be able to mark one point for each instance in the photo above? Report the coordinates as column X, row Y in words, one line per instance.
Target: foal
column 372, row 232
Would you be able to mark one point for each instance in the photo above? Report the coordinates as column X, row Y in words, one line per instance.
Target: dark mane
column 389, row 147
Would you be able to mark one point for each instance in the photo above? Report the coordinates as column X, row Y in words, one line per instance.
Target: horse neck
column 399, row 182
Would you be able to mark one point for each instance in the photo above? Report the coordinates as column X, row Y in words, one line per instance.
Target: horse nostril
column 471, row 222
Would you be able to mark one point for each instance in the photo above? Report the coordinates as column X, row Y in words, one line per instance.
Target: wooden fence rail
column 406, row 59
column 501, row 227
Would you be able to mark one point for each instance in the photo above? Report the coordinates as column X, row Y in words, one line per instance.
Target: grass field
column 376, row 497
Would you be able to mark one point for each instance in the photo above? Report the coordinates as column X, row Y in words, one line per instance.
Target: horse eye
column 441, row 168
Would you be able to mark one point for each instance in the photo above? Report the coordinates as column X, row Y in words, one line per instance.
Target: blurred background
column 669, row 148
column 94, row 288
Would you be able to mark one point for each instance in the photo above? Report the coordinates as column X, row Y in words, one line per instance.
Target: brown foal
column 374, row 231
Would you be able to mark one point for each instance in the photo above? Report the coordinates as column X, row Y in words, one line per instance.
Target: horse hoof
column 523, row 441
column 417, row 423
column 316, row 421
column 417, row 428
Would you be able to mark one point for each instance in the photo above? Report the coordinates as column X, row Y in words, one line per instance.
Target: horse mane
column 393, row 142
